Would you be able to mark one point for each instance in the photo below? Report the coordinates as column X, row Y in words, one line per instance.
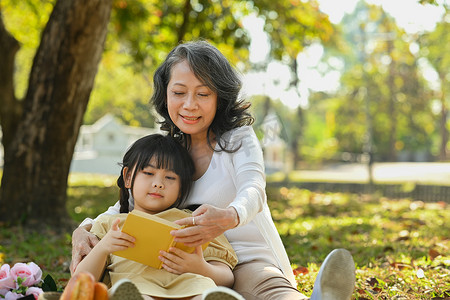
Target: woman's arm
column 82, row 243
column 246, row 167
column 95, row 261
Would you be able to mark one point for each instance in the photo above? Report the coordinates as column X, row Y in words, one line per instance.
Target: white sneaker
column 336, row 278
column 221, row 293
column 124, row 289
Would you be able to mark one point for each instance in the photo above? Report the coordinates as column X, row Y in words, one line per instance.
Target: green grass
column 401, row 247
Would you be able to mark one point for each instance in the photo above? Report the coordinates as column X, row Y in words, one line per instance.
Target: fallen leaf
column 400, row 266
column 433, row 254
column 372, row 281
column 377, row 290
column 388, row 248
column 301, row 271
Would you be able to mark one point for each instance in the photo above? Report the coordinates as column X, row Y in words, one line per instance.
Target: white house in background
column 274, row 148
column 100, row 147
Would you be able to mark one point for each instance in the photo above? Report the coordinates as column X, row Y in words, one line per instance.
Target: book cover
column 152, row 234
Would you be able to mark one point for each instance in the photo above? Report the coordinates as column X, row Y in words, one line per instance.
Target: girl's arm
column 83, row 241
column 179, row 262
column 95, row 261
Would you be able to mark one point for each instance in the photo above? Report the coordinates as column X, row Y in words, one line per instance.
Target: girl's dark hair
column 168, row 154
column 212, row 68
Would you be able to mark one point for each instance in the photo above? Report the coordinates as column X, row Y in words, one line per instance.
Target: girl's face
column 154, row 190
column 191, row 104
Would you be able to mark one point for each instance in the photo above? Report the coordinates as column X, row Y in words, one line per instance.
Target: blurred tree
column 293, row 25
column 383, row 89
column 435, row 47
column 40, row 130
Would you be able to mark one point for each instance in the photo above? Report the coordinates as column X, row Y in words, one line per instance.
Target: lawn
column 400, row 247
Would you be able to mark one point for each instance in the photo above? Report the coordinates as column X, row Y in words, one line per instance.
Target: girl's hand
column 178, row 262
column 116, row 240
column 210, row 222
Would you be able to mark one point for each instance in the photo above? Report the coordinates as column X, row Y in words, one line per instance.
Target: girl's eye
column 170, row 177
column 148, row 173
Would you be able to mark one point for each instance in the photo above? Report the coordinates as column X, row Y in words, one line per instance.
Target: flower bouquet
column 21, row 281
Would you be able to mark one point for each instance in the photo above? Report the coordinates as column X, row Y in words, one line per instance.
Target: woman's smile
column 189, row 119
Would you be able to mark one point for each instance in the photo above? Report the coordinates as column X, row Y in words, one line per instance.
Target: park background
column 360, row 93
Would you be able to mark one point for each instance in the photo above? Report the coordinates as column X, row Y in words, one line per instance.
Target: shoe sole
column 124, row 290
column 221, row 293
column 337, row 277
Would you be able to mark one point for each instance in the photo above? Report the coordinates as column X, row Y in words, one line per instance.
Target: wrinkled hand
column 82, row 243
column 178, row 262
column 210, row 222
column 116, row 240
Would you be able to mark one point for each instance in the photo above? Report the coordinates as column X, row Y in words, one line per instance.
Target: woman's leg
column 258, row 280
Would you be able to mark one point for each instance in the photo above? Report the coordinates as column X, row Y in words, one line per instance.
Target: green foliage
column 400, row 246
column 121, row 91
column 292, row 25
column 89, row 195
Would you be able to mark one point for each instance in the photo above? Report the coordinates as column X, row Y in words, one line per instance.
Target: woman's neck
column 201, row 141
column 201, row 152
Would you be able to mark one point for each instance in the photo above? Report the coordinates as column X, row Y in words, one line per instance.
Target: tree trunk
column 37, row 161
column 392, row 155
column 443, row 153
column 10, row 108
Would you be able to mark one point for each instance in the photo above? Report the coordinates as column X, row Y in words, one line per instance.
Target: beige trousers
column 258, row 280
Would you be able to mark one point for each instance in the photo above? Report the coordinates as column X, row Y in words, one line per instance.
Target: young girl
column 157, row 173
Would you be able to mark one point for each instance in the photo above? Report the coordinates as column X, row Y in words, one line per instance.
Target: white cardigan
column 237, row 179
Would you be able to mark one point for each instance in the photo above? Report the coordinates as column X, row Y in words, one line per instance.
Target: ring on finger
column 193, row 221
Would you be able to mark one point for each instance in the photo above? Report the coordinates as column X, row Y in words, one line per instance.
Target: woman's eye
column 178, row 93
column 203, row 95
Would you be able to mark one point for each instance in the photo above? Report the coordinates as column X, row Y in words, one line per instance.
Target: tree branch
column 182, row 30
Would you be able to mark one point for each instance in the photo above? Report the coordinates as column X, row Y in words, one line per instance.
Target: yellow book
column 152, row 234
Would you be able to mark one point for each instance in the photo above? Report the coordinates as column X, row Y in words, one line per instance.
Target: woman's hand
column 209, row 221
column 82, row 243
column 178, row 262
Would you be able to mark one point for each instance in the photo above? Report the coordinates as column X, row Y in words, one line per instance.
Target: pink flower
column 6, row 279
column 3, row 292
column 30, row 273
column 12, row 296
column 35, row 291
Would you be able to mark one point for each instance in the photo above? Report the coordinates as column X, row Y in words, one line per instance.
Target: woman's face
column 191, row 104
